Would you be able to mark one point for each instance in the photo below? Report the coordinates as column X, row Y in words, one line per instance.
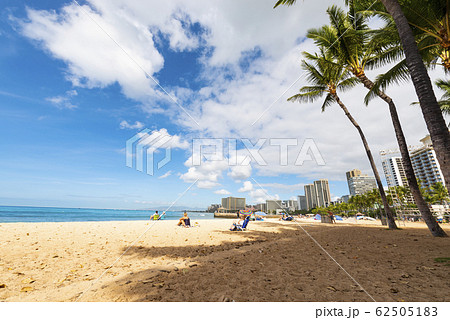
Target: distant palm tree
column 375, row 198
column 351, row 44
column 327, row 78
column 439, row 193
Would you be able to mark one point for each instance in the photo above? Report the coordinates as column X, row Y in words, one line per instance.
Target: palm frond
column 324, row 37
column 348, row 84
column 285, row 2
column 444, row 85
column 395, row 75
column 306, row 97
column 327, row 102
column 445, row 106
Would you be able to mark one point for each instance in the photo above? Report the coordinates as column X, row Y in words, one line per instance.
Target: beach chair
column 244, row 225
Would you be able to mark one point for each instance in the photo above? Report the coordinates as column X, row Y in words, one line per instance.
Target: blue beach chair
column 243, row 227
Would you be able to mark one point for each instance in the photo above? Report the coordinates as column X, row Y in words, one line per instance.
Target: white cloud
column 240, row 172
column 247, row 187
column 207, row 174
column 158, row 140
column 222, row 192
column 261, row 195
column 125, row 125
column 162, row 135
column 284, row 187
column 122, row 33
column 93, row 59
column 165, row 175
column 63, row 102
column 233, row 32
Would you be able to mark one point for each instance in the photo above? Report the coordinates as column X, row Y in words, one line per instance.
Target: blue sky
column 70, row 98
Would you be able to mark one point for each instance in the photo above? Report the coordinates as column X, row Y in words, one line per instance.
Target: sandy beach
column 272, row 261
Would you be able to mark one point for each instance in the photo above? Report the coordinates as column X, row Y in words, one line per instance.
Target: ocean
column 46, row 214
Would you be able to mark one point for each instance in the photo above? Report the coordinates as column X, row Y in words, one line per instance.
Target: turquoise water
column 38, row 214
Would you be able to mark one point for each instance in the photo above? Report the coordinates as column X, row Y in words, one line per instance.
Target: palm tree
column 353, row 47
column 427, row 22
column 348, row 39
column 426, row 192
column 359, row 202
column 444, row 102
column 430, row 21
column 326, row 78
column 375, row 197
column 439, row 193
column 350, row 42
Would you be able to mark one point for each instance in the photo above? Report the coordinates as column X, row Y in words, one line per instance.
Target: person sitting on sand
column 184, row 220
column 155, row 216
column 286, row 217
column 238, row 223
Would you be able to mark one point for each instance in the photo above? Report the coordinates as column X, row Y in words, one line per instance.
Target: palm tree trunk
column 430, row 108
column 387, row 209
column 431, row 222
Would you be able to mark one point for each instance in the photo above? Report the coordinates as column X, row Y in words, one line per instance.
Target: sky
column 209, row 78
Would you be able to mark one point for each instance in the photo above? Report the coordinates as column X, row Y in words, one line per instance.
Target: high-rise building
column 273, row 205
column 322, row 192
column 359, row 183
column 425, row 165
column 394, row 172
column 233, row 204
column 261, row 207
column 290, row 205
column 301, row 201
column 353, row 173
column 310, row 195
column 317, row 194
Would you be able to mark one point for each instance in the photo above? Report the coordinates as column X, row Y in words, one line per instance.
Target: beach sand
column 272, row 261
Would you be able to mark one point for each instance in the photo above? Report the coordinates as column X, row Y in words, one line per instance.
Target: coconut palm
column 439, row 193
column 348, row 39
column 424, row 34
column 444, row 102
column 375, row 198
column 355, row 49
column 327, row 78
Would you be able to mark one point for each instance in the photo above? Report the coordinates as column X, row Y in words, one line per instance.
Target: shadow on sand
column 288, row 266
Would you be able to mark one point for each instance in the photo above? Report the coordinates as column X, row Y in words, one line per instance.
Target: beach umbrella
column 260, row 213
column 245, row 212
